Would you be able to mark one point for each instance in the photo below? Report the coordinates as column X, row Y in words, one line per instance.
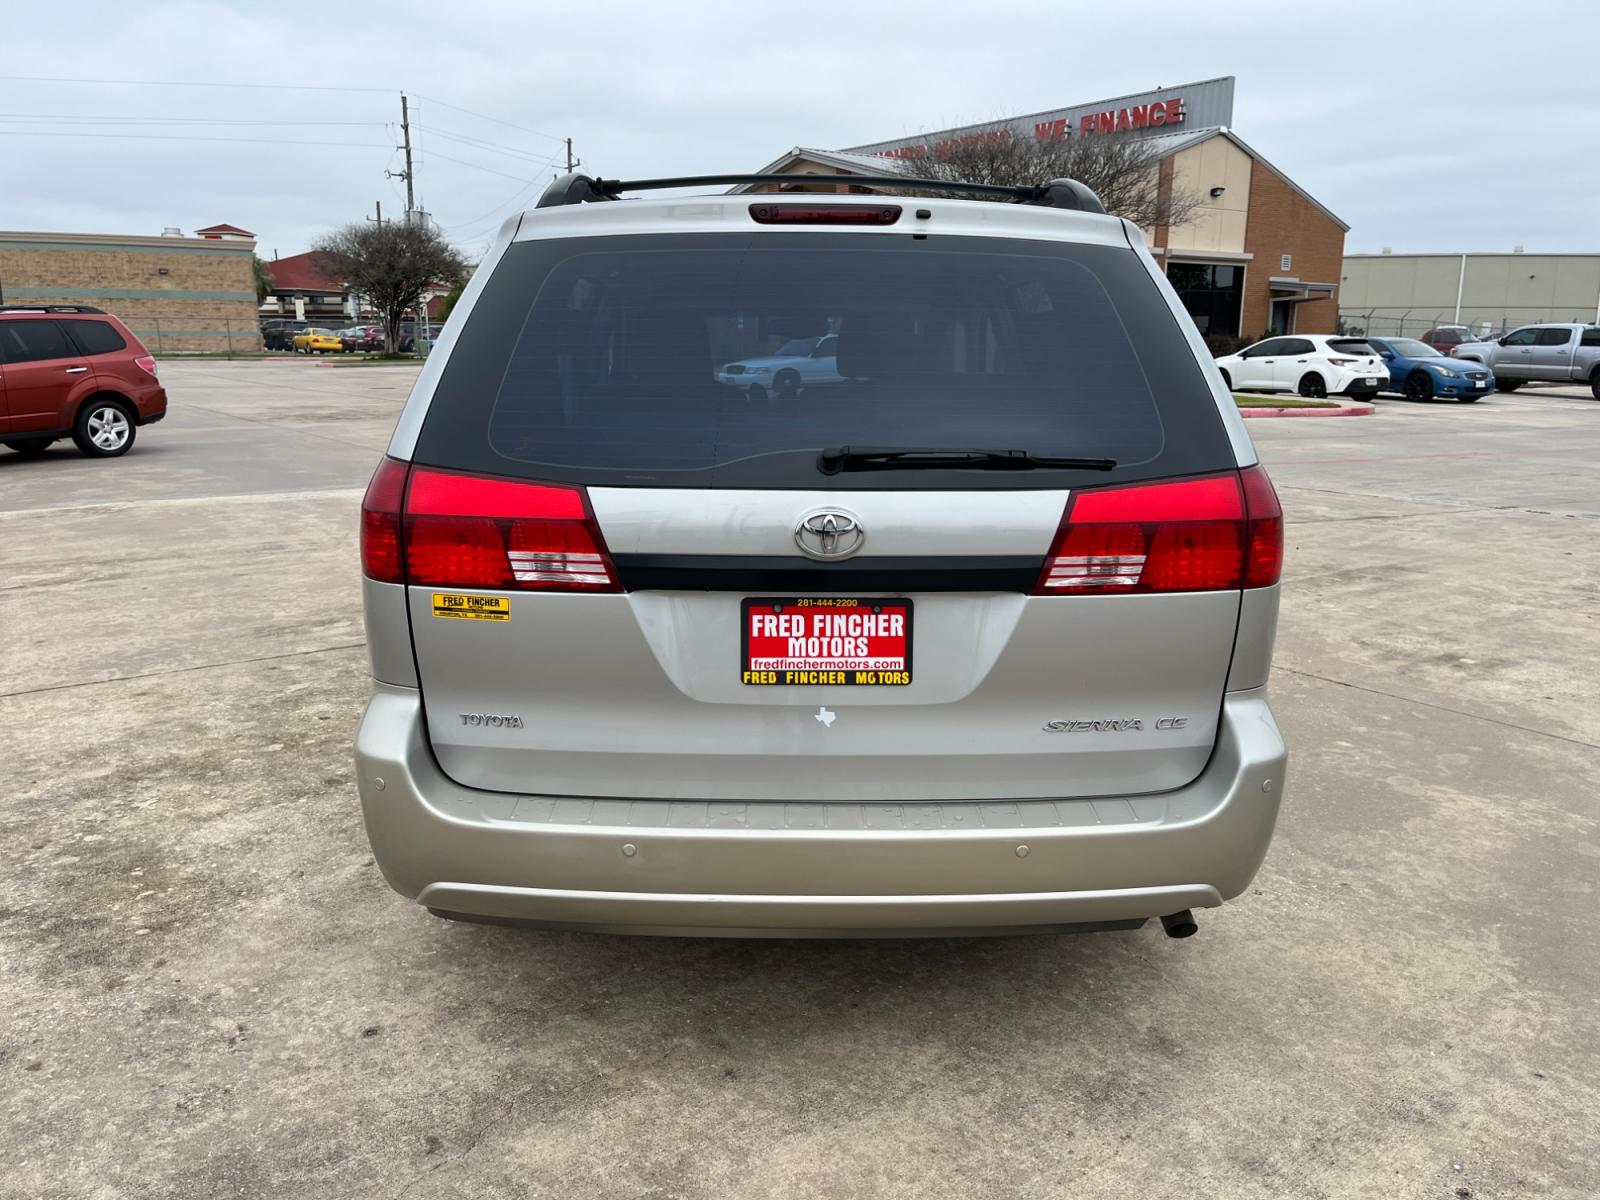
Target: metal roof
column 844, row 160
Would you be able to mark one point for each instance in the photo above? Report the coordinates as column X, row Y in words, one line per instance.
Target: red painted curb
column 351, row 366
column 1346, row 410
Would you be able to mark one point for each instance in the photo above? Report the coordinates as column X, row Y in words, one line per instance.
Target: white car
column 1313, row 365
column 797, row 362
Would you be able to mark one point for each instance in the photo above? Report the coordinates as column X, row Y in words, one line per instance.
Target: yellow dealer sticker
column 471, row 608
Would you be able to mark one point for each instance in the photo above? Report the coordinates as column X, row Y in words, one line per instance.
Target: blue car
column 1420, row 372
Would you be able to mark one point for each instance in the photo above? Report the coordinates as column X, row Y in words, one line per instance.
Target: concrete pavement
column 209, row 991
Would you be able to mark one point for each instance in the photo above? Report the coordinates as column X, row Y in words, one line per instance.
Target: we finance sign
column 1204, row 104
column 1159, row 115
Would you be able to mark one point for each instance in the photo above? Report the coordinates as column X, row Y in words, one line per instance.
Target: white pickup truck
column 1565, row 353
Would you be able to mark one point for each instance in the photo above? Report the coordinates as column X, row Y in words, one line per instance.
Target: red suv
column 1447, row 337
column 71, row 371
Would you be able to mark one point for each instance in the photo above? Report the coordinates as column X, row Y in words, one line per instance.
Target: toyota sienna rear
column 967, row 632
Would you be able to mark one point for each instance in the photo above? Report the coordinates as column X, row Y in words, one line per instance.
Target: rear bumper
column 1362, row 385
column 151, row 403
column 1339, row 380
column 798, row 869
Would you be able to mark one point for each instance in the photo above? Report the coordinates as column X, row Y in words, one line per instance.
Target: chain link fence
column 1413, row 323
column 206, row 334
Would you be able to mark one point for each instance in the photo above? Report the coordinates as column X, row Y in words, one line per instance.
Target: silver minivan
column 969, row 634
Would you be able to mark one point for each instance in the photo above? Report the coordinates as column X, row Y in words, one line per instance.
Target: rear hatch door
column 844, row 589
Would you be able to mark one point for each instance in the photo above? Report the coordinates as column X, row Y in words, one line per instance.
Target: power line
column 64, row 119
column 482, row 116
column 181, row 137
column 494, row 213
column 479, row 166
column 60, row 125
column 287, row 87
column 481, row 144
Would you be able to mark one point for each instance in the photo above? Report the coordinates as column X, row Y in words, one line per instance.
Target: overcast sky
column 1476, row 131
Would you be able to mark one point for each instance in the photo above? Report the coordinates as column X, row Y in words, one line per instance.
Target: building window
column 1286, row 262
column 1211, row 293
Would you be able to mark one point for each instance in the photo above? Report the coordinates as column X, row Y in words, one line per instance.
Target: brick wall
column 1282, row 221
column 204, row 301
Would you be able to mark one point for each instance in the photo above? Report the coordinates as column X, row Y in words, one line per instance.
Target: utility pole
column 405, row 130
column 405, row 134
column 378, row 204
column 572, row 163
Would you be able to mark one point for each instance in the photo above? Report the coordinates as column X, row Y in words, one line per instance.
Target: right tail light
column 1209, row 533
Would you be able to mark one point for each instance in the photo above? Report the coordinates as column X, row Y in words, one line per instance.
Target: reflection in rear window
column 1350, row 346
column 689, row 360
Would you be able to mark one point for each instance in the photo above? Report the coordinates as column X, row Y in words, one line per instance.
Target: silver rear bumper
column 799, row 869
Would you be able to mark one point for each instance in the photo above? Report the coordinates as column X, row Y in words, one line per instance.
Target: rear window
column 1350, row 346
column 687, row 360
column 96, row 337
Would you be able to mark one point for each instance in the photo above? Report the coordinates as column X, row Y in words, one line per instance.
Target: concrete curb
column 338, row 366
column 1344, row 410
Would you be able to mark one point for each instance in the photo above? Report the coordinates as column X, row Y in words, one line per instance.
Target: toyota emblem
column 829, row 533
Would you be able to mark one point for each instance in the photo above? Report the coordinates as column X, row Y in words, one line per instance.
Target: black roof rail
column 1057, row 193
column 50, row 308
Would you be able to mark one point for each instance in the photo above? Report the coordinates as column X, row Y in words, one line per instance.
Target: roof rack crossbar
column 49, row 308
column 1057, row 193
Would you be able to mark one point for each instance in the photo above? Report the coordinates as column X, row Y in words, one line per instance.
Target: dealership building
column 175, row 292
column 1258, row 252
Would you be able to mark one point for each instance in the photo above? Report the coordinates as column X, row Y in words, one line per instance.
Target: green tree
column 448, row 304
column 263, row 278
column 390, row 266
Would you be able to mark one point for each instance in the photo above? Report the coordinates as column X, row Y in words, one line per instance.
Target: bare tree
column 1124, row 171
column 391, row 265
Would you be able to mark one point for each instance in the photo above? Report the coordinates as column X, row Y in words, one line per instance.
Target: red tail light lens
column 832, row 214
column 146, row 363
column 477, row 531
column 1194, row 535
column 1263, row 555
column 381, row 558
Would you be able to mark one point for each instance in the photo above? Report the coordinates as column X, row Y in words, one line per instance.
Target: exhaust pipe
column 1179, row 924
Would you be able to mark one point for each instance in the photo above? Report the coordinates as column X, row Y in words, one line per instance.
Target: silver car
column 975, row 639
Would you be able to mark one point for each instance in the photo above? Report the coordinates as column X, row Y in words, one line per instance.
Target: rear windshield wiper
column 887, row 458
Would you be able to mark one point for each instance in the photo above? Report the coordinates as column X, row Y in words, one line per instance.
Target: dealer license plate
column 825, row 640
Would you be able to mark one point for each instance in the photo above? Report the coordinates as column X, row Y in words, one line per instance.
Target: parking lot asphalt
column 207, row 989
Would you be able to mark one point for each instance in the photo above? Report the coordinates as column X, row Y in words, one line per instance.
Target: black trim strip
column 803, row 576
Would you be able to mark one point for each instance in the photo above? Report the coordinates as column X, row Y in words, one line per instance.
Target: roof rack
column 49, row 308
column 1057, row 193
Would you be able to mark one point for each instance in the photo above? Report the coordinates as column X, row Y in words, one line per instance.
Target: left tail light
column 146, row 363
column 449, row 529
